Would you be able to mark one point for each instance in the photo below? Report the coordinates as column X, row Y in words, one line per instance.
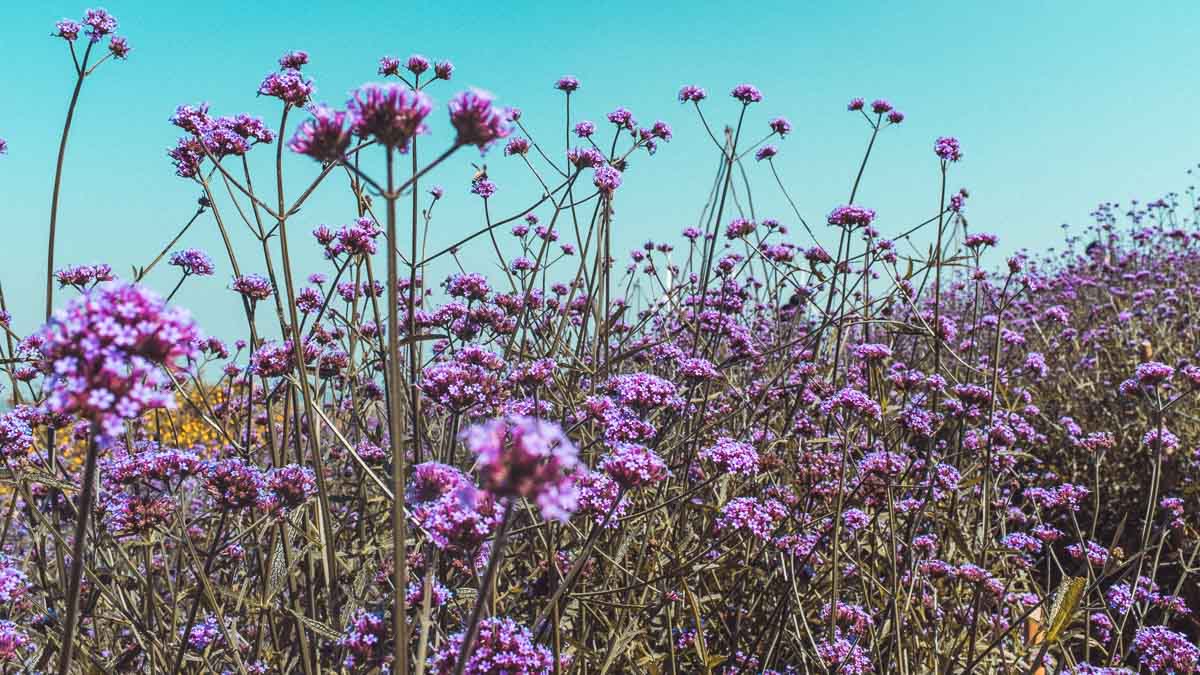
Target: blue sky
column 1058, row 106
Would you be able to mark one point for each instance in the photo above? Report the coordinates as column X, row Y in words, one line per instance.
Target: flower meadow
column 828, row 440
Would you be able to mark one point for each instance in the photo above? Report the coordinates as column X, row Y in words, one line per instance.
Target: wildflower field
column 776, row 443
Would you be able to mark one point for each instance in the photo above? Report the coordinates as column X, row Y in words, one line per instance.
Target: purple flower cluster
column 105, row 352
column 851, row 216
column 526, row 457
column 392, row 114
column 503, row 646
column 192, row 261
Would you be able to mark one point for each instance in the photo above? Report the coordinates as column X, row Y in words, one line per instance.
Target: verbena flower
column 390, row 113
column 477, row 120
column 192, row 261
column 502, row 646
column 526, row 457
column 104, row 354
column 324, row 136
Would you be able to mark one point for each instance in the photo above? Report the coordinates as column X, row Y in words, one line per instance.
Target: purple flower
column 367, row 641
column 483, row 187
column 851, row 216
column 781, row 126
column 606, row 179
column 293, row 60
column 880, row 106
column 417, row 64
column 119, row 47
column 234, row 484
column 203, row 634
column 272, row 359
column 391, row 113
column 67, row 30
column 623, row 118
column 502, row 646
column 288, row 86
column 253, row 286
column 324, row 136
column 732, row 456
column 99, row 23
column 746, row 93
column 292, row 485
column 690, row 92
column 895, row 117
column 442, row 70
column 584, row 129
column 14, row 644
column 633, row 465
column 517, row 145
column 582, row 158
column 525, row 457
column 946, row 147
column 389, row 65
column 104, row 351
column 567, row 83
column 192, row 261
column 477, row 121
column 1165, row 651
column 3, row 147
column 739, row 227
column 855, row 104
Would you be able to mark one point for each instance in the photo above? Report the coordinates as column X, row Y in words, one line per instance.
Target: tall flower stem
column 399, row 523
column 80, row 73
column 87, row 493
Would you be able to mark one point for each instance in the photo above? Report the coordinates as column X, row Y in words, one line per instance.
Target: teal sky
column 1058, row 106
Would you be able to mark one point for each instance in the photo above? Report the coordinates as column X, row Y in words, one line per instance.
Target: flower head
column 606, row 179
column 851, row 216
column 288, row 86
column 99, row 23
column 692, row 93
column 67, row 30
column 192, row 261
column 567, row 83
column 746, row 93
column 119, row 47
column 293, row 60
column 526, row 457
column 391, row 113
column 324, row 136
column 477, row 120
column 104, row 354
column 417, row 64
column 946, row 147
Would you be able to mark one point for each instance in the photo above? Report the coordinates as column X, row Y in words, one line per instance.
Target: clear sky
column 1059, row 105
